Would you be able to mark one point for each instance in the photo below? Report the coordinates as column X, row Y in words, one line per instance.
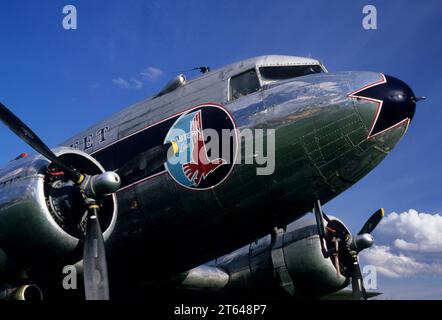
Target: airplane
column 111, row 202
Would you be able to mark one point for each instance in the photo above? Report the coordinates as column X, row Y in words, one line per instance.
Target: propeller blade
column 372, row 222
column 95, row 277
column 27, row 135
column 149, row 160
column 357, row 282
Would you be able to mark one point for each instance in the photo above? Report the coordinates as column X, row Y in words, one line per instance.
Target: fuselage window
column 244, row 84
column 288, row 72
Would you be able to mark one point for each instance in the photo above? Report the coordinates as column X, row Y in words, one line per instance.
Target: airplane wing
column 348, row 295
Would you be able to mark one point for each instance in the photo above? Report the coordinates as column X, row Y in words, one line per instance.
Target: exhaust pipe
column 29, row 292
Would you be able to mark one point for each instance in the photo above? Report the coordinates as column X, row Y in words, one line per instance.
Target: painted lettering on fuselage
column 89, row 141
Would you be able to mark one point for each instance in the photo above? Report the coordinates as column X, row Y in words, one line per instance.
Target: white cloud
column 413, row 231
column 127, row 84
column 151, row 74
column 398, row 265
column 408, row 244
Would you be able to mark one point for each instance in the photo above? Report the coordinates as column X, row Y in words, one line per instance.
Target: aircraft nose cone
column 396, row 102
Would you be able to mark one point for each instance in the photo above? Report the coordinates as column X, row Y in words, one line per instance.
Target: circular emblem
column 207, row 141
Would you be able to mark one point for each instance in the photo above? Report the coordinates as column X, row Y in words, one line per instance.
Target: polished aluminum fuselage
column 321, row 150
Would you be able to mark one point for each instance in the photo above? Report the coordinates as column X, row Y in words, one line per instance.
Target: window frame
column 229, row 87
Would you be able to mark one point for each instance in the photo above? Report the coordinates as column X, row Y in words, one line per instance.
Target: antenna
column 203, row 70
column 417, row 99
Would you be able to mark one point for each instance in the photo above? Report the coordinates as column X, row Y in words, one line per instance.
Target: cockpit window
column 287, row 72
column 244, row 84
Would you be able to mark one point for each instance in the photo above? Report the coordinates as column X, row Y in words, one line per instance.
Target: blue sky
column 60, row 82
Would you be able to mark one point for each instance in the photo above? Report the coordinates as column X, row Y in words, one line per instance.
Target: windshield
column 288, row 72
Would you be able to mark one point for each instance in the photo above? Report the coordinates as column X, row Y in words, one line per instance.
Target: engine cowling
column 36, row 211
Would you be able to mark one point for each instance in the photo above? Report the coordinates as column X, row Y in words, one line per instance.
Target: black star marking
column 395, row 100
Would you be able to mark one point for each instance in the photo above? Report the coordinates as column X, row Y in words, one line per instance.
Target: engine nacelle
column 35, row 211
column 287, row 262
column 312, row 274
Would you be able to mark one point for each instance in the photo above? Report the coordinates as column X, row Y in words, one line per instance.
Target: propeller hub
column 361, row 242
column 101, row 185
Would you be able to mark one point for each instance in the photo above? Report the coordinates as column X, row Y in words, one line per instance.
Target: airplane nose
column 396, row 103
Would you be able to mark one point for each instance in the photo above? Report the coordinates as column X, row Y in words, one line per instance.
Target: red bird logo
column 200, row 165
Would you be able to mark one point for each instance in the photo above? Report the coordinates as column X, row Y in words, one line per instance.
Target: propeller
column 357, row 282
column 94, row 265
column 149, row 160
column 27, row 135
column 372, row 222
column 93, row 189
column 353, row 245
